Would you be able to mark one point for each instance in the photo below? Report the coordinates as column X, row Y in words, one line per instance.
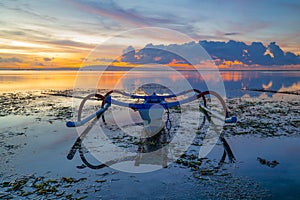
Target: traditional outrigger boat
column 153, row 101
column 151, row 111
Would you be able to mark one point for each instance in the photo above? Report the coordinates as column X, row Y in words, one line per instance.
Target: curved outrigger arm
column 98, row 114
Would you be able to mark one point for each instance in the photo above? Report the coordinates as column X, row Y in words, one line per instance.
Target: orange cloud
column 226, row 64
column 178, row 63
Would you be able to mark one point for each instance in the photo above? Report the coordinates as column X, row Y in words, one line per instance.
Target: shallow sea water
column 34, row 144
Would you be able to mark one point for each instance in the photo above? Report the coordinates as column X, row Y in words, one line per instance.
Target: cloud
column 28, row 11
column 293, row 7
column 12, row 32
column 232, row 33
column 255, row 53
column 39, row 64
column 70, row 43
column 48, row 59
column 10, row 60
column 231, row 53
column 136, row 16
column 159, row 54
column 112, row 11
column 104, row 60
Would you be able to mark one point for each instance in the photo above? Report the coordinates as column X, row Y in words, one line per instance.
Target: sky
column 62, row 33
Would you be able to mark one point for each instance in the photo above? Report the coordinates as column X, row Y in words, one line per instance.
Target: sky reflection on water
column 234, row 81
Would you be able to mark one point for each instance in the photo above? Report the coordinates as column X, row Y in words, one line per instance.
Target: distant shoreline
column 129, row 68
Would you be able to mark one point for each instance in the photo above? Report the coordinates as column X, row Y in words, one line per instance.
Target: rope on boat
column 168, row 122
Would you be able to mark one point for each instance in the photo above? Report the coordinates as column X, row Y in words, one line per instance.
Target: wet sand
column 35, row 141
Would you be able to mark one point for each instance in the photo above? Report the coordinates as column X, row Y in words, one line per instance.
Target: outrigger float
column 151, row 111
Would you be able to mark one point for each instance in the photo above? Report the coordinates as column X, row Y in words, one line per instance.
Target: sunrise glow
column 61, row 34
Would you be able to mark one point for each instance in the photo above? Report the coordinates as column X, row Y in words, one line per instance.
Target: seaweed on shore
column 33, row 187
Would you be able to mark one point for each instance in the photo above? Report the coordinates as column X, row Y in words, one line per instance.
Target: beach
column 35, row 142
column 149, row 100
